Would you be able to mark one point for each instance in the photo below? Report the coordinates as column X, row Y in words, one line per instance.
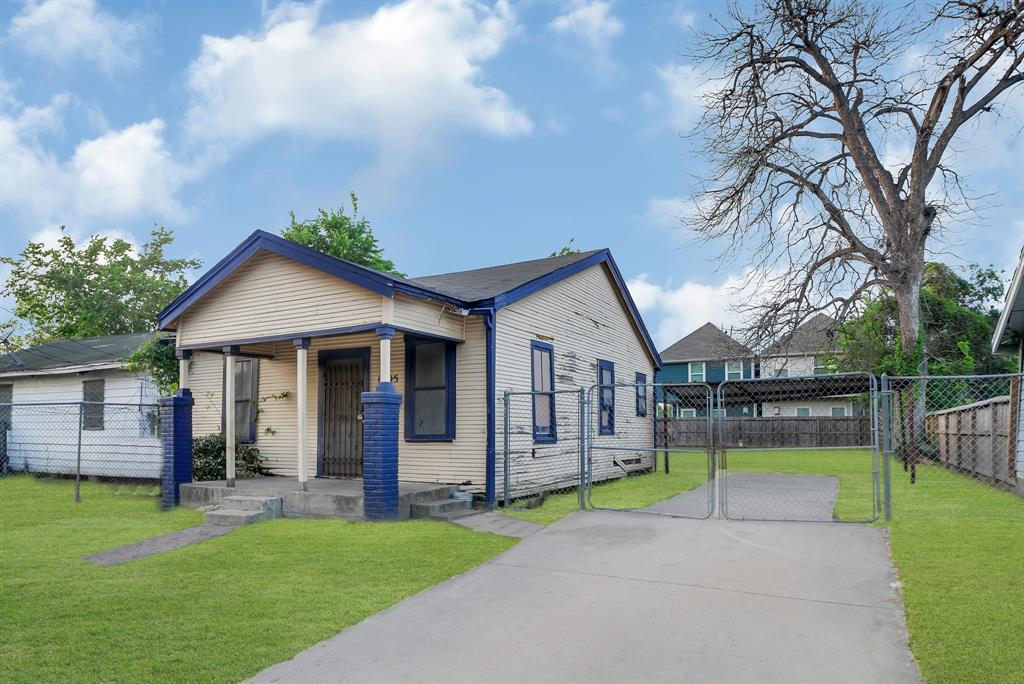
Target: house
column 707, row 355
column 47, row 391
column 1009, row 335
column 805, row 352
column 306, row 340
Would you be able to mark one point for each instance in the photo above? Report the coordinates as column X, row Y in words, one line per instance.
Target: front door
column 343, row 380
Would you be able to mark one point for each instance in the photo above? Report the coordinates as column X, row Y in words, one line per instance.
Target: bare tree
column 810, row 95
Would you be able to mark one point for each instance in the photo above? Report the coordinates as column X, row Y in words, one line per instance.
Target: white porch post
column 229, row 412
column 183, row 357
column 302, row 398
column 385, row 333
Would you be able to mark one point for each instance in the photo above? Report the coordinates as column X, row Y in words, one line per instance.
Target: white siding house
column 41, row 409
column 449, row 344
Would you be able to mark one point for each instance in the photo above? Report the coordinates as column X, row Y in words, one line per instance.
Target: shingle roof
column 485, row 283
column 73, row 353
column 812, row 336
column 706, row 343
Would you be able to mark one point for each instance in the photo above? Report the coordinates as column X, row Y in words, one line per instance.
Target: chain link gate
column 542, row 445
column 650, row 449
column 799, row 449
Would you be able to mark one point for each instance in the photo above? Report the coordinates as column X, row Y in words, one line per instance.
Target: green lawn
column 959, row 547
column 219, row 611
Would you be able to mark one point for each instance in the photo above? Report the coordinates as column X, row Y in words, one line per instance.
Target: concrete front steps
column 242, row 510
column 440, row 509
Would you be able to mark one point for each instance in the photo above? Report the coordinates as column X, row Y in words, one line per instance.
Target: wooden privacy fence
column 976, row 438
column 769, row 432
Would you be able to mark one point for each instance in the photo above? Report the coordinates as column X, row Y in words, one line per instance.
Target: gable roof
column 810, row 337
column 482, row 288
column 706, row 343
column 481, row 284
column 109, row 350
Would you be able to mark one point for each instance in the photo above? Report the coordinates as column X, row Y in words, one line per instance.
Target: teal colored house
column 707, row 355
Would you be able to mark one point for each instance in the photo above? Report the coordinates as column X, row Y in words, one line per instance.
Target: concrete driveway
column 629, row 597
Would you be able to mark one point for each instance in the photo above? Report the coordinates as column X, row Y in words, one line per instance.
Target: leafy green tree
column 342, row 235
column 568, row 250
column 106, row 286
column 157, row 359
column 958, row 314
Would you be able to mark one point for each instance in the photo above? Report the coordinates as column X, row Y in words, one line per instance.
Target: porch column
column 302, row 398
column 380, row 439
column 229, row 412
column 183, row 357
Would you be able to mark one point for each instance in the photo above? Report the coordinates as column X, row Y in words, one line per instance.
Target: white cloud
column 122, row 174
column 592, row 26
column 682, row 88
column 400, row 79
column 679, row 310
column 67, row 31
column 668, row 212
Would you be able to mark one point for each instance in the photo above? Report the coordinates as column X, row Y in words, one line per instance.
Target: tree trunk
column 908, row 302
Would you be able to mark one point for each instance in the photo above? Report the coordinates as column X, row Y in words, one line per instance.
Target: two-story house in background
column 707, row 355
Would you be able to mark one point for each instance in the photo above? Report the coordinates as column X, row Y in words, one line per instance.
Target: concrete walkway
column 498, row 523
column 629, row 597
column 159, row 544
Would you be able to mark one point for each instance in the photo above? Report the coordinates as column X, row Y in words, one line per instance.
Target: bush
column 209, row 460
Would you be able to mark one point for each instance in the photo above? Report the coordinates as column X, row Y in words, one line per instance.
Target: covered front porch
column 322, row 498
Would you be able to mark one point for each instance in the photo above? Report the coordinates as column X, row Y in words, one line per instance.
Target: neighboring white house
column 307, row 334
column 803, row 353
column 48, row 391
column 1008, row 337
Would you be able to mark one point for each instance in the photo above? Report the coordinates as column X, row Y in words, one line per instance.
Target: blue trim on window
column 411, row 343
column 552, row 437
column 641, row 395
column 603, row 366
column 322, row 357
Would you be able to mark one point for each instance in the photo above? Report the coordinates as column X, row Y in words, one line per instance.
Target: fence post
column 78, row 457
column 583, row 447
column 886, row 445
column 176, row 444
column 507, row 498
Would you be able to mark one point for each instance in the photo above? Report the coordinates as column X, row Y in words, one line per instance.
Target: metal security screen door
column 343, row 380
column 799, row 448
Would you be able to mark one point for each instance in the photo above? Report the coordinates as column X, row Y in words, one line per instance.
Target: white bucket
column 464, row 496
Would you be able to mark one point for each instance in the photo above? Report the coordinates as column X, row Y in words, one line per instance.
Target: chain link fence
column 81, row 440
column 542, row 446
column 969, row 425
column 799, row 449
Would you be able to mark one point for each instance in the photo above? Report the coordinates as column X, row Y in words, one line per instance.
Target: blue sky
column 474, row 134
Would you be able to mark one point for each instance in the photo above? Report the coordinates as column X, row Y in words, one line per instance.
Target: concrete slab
column 159, row 544
column 616, row 597
column 772, row 496
column 498, row 523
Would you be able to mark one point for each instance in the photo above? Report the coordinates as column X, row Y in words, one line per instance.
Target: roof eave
column 1013, row 295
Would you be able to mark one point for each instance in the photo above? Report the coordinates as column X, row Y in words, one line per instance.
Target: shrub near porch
column 219, row 611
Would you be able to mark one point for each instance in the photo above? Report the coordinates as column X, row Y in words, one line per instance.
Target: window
column 803, row 412
column 718, row 413
column 838, row 411
column 734, row 370
column 6, row 398
column 92, row 410
column 641, row 395
column 782, row 372
column 246, row 399
column 697, row 371
column 689, row 413
column 430, row 389
column 606, row 392
column 542, row 369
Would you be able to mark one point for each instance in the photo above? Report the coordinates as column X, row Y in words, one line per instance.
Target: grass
column 958, row 545
column 219, row 611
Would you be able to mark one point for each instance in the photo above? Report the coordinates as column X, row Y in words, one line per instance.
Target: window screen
column 93, row 392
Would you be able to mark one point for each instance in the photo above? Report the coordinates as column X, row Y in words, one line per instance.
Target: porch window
column 838, row 411
column 697, row 371
column 734, row 370
column 246, row 400
column 542, row 370
column 606, row 392
column 688, row 413
column 430, row 388
column 93, row 392
column 803, row 412
column 641, row 395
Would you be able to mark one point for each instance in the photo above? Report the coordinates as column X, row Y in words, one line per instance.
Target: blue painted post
column 176, row 439
column 380, row 452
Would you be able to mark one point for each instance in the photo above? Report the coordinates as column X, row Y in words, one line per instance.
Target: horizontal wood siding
column 429, row 317
column 271, row 294
column 44, row 439
column 584, row 319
